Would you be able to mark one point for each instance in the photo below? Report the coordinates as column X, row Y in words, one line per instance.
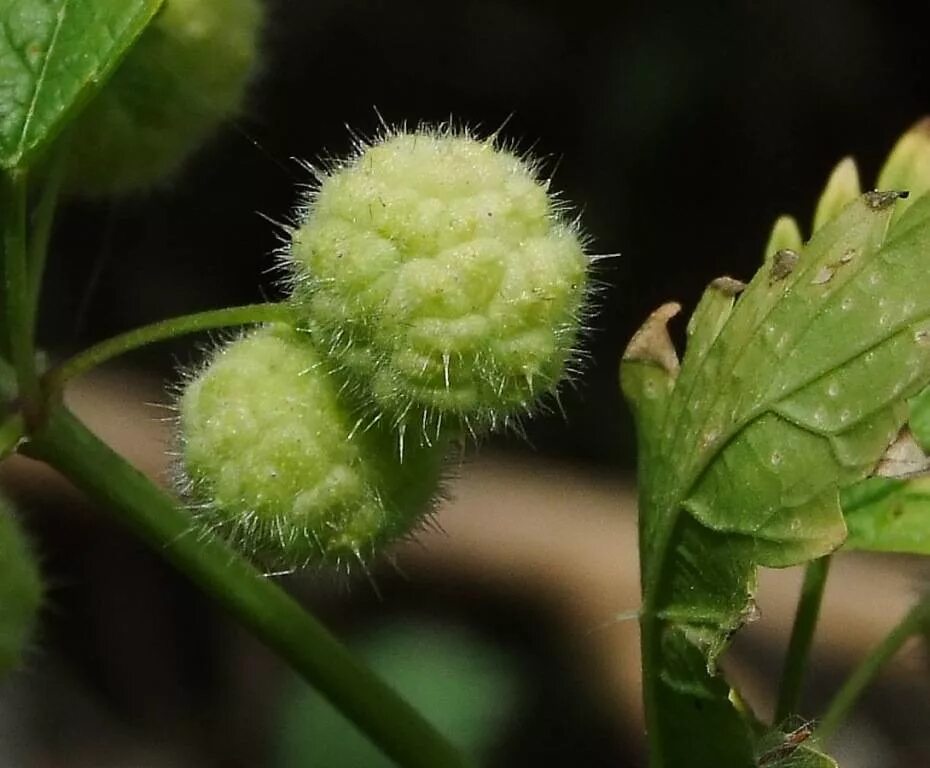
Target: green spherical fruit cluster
column 437, row 285
column 275, row 461
column 186, row 74
column 20, row 590
column 440, row 274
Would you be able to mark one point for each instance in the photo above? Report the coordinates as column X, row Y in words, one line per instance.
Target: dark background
column 680, row 130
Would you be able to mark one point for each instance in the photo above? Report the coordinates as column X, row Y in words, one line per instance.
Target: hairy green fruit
column 186, row 74
column 440, row 274
column 276, row 462
column 20, row 590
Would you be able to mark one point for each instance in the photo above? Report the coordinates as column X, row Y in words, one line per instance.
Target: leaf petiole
column 163, row 330
column 802, row 637
column 915, row 622
column 43, row 219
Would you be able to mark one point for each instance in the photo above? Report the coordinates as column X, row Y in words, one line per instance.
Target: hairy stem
column 802, row 637
column 916, row 622
column 162, row 331
column 269, row 612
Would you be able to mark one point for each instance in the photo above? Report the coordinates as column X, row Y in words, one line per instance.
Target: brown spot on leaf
column 903, row 458
column 783, row 264
column 791, row 742
column 652, row 344
column 879, row 201
column 728, row 286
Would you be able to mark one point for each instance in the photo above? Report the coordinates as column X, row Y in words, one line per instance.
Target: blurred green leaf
column 7, row 382
column 462, row 685
column 888, row 515
column 54, row 54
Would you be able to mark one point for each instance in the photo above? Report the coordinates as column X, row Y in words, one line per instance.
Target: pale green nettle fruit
column 20, row 590
column 440, row 274
column 275, row 461
column 186, row 74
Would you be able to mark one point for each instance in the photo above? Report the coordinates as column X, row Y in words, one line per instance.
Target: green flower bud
column 442, row 276
column 20, row 590
column 186, row 74
column 275, row 461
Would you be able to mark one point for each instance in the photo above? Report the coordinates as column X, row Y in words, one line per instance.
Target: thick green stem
column 161, row 331
column 15, row 297
column 254, row 600
column 916, row 622
column 802, row 638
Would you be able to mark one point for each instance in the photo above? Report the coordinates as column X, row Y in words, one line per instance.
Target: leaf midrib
column 40, row 81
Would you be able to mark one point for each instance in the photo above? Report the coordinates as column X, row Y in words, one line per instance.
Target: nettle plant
column 436, row 291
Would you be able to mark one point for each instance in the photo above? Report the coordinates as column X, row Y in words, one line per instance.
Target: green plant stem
column 802, row 637
column 161, row 331
column 916, row 622
column 12, row 430
column 650, row 653
column 15, row 295
column 43, row 220
column 257, row 602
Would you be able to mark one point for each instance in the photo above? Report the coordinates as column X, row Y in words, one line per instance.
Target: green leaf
column 842, row 188
column 647, row 376
column 785, row 396
column 786, row 235
column 888, row 515
column 54, row 54
column 908, row 165
column 919, row 420
column 804, row 388
column 791, row 748
column 802, row 757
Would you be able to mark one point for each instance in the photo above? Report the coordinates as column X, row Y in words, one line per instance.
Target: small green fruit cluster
column 186, row 74
column 20, row 590
column 435, row 285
